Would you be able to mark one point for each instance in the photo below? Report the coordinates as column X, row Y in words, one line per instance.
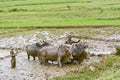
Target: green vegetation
column 59, row 12
column 85, row 32
column 108, row 69
column 117, row 50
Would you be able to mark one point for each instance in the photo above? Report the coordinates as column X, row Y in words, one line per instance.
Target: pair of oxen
column 61, row 53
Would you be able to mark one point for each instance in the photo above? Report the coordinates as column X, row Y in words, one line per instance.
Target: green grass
column 59, row 12
column 108, row 69
column 62, row 23
column 117, row 50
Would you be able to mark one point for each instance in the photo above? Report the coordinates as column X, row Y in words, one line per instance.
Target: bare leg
column 13, row 62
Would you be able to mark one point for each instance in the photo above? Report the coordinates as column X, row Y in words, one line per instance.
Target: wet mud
column 32, row 70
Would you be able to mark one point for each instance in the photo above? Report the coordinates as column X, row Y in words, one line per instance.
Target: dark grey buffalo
column 33, row 48
column 55, row 53
column 78, row 51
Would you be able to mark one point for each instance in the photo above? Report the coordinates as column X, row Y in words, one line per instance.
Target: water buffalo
column 78, row 51
column 33, row 48
column 54, row 53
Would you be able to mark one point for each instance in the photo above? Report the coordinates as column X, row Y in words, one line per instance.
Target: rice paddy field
column 95, row 21
column 59, row 12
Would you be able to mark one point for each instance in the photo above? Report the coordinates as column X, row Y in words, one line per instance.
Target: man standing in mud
column 13, row 59
column 69, row 40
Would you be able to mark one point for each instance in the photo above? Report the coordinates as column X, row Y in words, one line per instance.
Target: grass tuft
column 117, row 50
column 17, row 10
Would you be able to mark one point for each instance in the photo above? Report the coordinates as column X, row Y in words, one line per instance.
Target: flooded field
column 32, row 70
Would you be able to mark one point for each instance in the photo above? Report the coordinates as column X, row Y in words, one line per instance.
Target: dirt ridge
column 58, row 27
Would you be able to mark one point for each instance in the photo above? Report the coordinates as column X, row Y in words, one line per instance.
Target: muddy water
column 27, row 70
column 32, row 70
column 104, row 44
column 102, row 47
column 3, row 53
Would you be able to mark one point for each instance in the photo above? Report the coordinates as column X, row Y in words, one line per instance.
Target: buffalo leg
column 72, row 61
column 34, row 57
column 43, row 60
column 39, row 58
column 59, row 62
column 28, row 57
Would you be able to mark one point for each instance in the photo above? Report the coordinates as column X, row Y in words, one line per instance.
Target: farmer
column 13, row 59
column 69, row 40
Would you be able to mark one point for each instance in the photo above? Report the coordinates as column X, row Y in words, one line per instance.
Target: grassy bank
column 59, row 12
column 62, row 23
column 108, row 69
